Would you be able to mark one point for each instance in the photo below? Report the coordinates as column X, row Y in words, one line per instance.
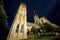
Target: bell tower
column 18, row 29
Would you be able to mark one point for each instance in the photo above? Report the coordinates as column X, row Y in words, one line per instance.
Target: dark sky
column 48, row 8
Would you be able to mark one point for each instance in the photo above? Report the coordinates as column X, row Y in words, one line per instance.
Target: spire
column 35, row 13
column 36, row 18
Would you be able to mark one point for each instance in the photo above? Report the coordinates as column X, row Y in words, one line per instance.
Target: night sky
column 48, row 8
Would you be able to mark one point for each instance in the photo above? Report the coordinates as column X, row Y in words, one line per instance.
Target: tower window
column 17, row 28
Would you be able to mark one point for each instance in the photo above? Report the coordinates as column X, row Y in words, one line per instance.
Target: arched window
column 17, row 28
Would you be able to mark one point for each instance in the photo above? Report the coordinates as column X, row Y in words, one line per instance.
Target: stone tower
column 18, row 29
column 36, row 18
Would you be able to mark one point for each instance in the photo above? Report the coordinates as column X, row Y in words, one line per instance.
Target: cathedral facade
column 20, row 26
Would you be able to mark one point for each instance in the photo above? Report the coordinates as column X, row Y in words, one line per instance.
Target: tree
column 3, row 22
column 48, row 27
column 35, row 31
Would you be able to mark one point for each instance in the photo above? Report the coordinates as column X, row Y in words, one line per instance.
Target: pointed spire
column 36, row 17
column 35, row 13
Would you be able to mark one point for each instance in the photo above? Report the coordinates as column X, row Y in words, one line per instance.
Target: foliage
column 51, row 28
column 48, row 27
column 3, row 23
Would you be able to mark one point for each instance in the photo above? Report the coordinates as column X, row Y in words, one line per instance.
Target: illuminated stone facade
column 20, row 26
column 18, row 29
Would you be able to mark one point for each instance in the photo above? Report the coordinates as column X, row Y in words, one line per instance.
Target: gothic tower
column 36, row 18
column 18, row 29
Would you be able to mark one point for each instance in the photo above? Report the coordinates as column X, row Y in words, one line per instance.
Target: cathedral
column 20, row 26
